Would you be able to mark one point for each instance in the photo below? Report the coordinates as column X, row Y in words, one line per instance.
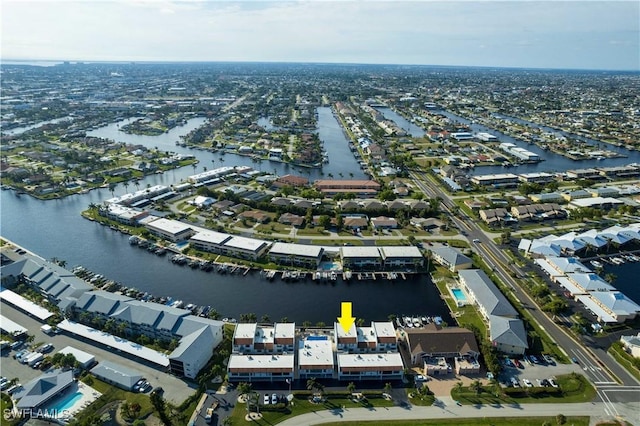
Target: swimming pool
column 67, row 402
column 458, row 294
column 330, row 266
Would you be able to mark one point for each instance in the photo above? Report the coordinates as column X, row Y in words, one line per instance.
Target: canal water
column 409, row 127
column 552, row 162
column 55, row 228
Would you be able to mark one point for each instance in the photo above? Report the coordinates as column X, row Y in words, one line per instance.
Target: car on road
column 476, row 240
column 575, row 360
column 265, row 401
column 421, row 378
column 527, row 383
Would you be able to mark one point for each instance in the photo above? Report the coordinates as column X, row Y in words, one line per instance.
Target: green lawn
column 111, row 393
column 301, row 405
column 495, row 421
column 625, row 360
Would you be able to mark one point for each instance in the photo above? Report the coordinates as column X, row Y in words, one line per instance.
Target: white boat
column 617, row 260
column 596, row 264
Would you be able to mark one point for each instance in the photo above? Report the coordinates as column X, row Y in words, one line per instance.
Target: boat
column 617, row 260
column 346, row 275
column 596, row 264
column 133, row 240
column 334, row 276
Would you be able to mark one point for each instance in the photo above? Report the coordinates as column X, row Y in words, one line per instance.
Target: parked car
column 46, row 348
column 533, row 359
column 274, row 398
column 548, row 359
column 421, row 378
column 553, row 383
column 515, row 382
column 266, row 400
column 517, row 363
column 527, row 383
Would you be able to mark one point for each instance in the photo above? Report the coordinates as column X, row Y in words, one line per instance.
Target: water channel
column 54, row 228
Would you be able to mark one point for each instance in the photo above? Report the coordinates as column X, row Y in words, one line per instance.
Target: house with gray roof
column 451, row 258
column 116, row 374
column 43, row 389
column 53, row 281
column 506, row 331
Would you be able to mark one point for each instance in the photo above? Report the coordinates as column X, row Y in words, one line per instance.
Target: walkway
column 446, row 408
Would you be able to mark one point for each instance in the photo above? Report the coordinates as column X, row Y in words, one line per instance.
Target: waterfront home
column 583, row 283
column 304, row 255
column 360, row 258
column 170, row 229
column 198, row 337
column 401, row 258
column 252, row 338
column 538, row 212
column 125, row 215
column 290, row 180
column 496, row 180
column 451, row 258
column 379, row 337
column 361, row 188
column 210, row 241
column 244, row 248
column 210, row 176
column 610, row 306
column 506, row 331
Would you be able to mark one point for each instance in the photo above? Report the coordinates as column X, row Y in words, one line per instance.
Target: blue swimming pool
column 459, row 295
column 316, row 337
column 66, row 402
column 330, row 266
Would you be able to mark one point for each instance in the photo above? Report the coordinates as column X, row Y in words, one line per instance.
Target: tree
column 324, row 221
column 160, row 406
column 476, row 386
column 458, row 387
column 351, row 387
column 561, row 419
column 610, row 277
column 244, row 388
column 387, row 387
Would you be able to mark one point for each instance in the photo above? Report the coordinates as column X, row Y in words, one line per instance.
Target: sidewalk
column 445, row 407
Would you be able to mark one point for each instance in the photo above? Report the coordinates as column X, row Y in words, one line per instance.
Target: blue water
column 458, row 294
column 626, row 278
column 317, row 338
column 67, row 402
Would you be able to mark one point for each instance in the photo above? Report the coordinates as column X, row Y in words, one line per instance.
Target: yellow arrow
column 345, row 319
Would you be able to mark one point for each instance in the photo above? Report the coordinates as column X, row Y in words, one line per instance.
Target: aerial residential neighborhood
column 300, row 213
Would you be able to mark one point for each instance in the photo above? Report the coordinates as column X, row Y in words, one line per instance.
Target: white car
column 553, row 383
column 266, row 399
column 421, row 378
column 527, row 383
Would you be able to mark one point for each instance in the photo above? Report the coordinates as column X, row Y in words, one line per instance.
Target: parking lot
column 534, row 372
column 176, row 390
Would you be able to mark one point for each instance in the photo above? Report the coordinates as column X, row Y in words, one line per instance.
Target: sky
column 513, row 33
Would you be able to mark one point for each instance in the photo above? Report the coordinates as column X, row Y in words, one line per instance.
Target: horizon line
column 132, row 62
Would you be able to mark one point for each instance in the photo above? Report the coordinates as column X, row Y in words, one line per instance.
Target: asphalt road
column 596, row 364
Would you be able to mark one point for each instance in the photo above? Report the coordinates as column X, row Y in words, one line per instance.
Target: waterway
column 552, row 162
column 55, row 228
column 409, row 127
column 19, row 130
column 626, row 278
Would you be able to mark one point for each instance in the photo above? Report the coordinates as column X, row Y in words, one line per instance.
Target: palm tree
column 476, row 386
column 610, row 277
column 126, row 186
column 351, row 387
column 458, row 387
column 244, row 388
column 387, row 388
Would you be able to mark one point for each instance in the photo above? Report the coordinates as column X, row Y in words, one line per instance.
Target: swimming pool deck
column 89, row 395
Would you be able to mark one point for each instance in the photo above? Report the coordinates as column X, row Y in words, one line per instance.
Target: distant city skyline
column 521, row 34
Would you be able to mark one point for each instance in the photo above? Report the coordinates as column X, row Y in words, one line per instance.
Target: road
column 446, row 408
column 597, row 365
